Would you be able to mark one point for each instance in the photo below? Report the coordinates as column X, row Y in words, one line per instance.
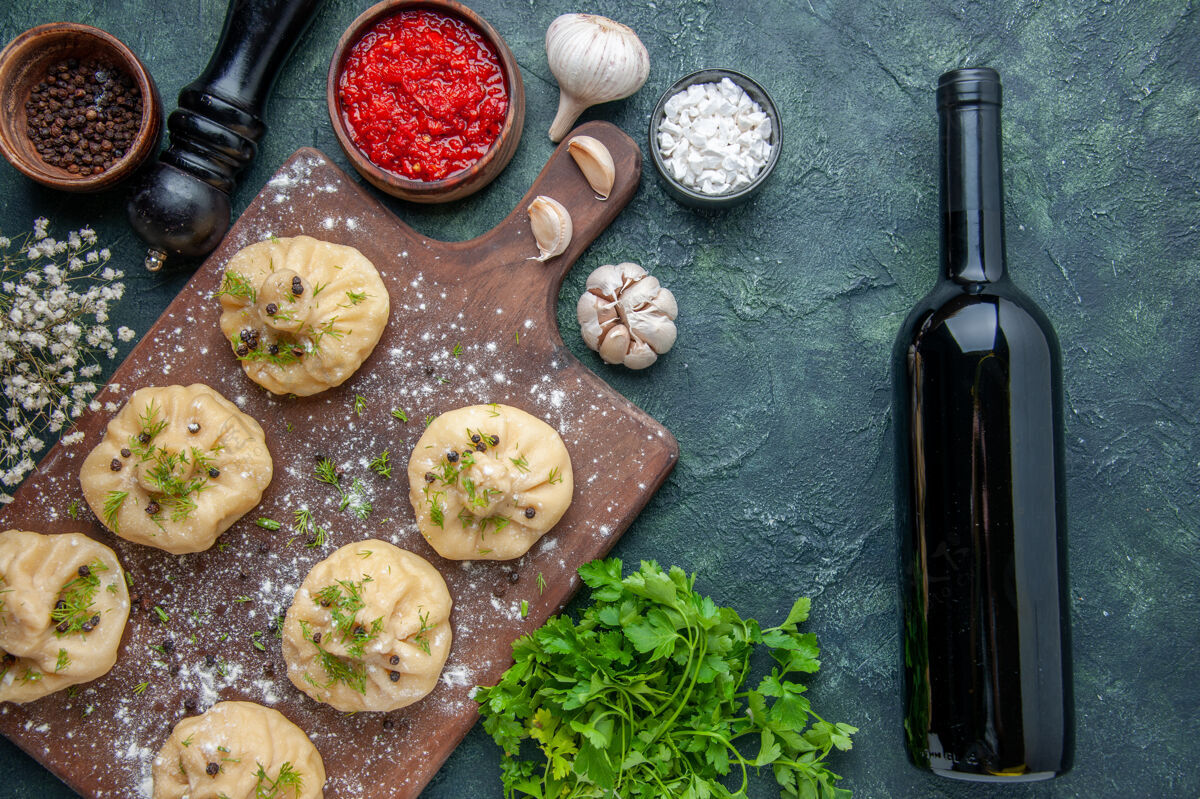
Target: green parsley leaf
column 646, row 695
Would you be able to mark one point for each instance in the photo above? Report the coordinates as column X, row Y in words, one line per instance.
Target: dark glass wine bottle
column 980, row 486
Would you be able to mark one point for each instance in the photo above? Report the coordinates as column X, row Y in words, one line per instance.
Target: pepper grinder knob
column 181, row 206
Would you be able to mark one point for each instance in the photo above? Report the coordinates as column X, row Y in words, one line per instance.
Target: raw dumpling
column 487, row 481
column 369, row 628
column 63, row 607
column 176, row 467
column 238, row 750
column 301, row 314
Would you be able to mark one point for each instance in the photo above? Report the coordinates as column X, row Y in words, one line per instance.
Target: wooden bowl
column 466, row 181
column 23, row 64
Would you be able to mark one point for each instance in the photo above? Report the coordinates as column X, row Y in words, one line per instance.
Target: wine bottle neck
column 972, row 188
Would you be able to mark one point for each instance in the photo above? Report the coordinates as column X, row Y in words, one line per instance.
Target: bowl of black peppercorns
column 78, row 111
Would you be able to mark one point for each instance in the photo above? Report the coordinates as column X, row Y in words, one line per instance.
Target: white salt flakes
column 714, row 138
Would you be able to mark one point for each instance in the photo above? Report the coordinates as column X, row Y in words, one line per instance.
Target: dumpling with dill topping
column 239, row 750
column 301, row 314
column 63, row 608
column 487, row 481
column 369, row 628
column 176, row 467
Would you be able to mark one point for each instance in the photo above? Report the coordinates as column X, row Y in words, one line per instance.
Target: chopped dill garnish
column 236, row 285
column 327, row 472
column 161, row 614
column 421, row 639
column 318, row 288
column 63, row 661
column 257, row 642
column 72, row 612
column 355, row 297
column 399, row 414
column 268, row 524
column 555, row 476
column 140, row 688
column 287, row 783
column 524, row 608
column 112, row 506
column 360, row 404
column 521, row 463
column 429, row 419
column 493, row 409
column 379, row 464
column 541, row 583
column 243, row 598
column 73, row 509
column 458, row 350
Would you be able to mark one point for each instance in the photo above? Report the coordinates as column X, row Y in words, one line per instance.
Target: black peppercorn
column 143, row 437
column 475, row 439
column 242, row 350
column 388, row 724
column 153, row 508
column 210, row 660
column 394, row 660
column 212, row 769
column 298, row 352
column 394, row 676
column 297, row 286
column 481, row 447
column 126, row 452
column 452, row 456
column 63, row 627
column 513, row 577
column 168, row 645
column 272, row 309
column 359, row 631
column 316, row 638
column 194, row 427
column 430, row 477
column 115, row 465
column 250, row 336
column 273, row 349
column 495, row 441
column 530, row 513
column 84, row 570
column 214, row 472
column 60, row 604
column 190, row 704
column 83, row 116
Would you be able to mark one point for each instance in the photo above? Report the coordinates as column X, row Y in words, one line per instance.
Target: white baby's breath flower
column 54, row 312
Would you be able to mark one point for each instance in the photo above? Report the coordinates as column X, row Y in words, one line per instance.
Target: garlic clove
column 595, row 315
column 595, row 161
column 615, row 345
column 651, row 327
column 665, row 301
column 595, row 60
column 639, row 356
column 551, row 224
column 640, row 293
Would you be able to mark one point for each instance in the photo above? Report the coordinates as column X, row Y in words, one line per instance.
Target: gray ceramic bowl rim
column 758, row 94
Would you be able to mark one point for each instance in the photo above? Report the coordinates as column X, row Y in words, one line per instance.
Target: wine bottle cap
column 976, row 85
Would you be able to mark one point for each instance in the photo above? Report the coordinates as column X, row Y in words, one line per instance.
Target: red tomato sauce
column 423, row 95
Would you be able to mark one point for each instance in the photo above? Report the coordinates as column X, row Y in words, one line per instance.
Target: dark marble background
column 778, row 387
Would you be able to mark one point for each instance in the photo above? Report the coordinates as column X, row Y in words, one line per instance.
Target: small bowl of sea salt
column 715, row 138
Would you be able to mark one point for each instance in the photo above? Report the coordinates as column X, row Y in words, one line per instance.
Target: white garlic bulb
column 627, row 316
column 595, row 60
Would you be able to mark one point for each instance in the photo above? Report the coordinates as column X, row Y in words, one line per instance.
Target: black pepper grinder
column 181, row 204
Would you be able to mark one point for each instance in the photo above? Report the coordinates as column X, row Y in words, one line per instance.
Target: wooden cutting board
column 471, row 322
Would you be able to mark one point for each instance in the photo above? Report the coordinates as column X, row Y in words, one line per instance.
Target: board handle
column 562, row 180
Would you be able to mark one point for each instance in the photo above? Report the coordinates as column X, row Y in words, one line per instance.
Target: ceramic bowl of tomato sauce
column 426, row 99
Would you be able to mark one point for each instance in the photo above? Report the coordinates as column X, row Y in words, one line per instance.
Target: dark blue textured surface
column 778, row 388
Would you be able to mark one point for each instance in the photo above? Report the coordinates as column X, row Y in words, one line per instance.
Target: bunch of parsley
column 644, row 697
